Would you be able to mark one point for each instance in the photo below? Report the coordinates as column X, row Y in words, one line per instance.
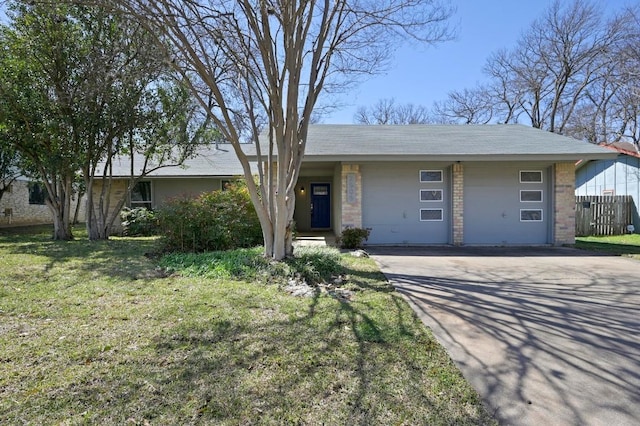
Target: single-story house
column 442, row 184
column 417, row 184
column 619, row 175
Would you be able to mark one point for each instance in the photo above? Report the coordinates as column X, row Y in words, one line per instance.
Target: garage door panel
column 494, row 212
column 392, row 204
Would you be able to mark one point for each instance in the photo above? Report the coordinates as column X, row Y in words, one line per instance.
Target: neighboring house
column 619, row 175
column 416, row 184
column 24, row 204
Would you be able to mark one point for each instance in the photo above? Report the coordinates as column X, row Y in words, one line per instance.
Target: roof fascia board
column 453, row 158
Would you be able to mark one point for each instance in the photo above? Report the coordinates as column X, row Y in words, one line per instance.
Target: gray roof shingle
column 349, row 142
column 479, row 141
column 208, row 161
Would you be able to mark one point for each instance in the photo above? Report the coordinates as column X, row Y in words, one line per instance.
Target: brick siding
column 351, row 196
column 458, row 204
column 565, row 204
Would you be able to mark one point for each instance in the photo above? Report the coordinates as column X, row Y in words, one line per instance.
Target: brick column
column 458, row 204
column 564, row 222
column 351, row 196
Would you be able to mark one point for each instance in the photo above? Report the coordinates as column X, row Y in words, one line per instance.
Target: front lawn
column 618, row 245
column 100, row 333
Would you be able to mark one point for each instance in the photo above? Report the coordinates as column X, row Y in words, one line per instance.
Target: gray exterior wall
column 167, row 188
column 621, row 175
column 320, row 173
column 492, row 204
column 391, row 203
column 302, row 213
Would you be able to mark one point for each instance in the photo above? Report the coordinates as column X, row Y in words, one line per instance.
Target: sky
column 427, row 75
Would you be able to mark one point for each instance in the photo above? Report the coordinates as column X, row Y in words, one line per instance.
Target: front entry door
column 320, row 205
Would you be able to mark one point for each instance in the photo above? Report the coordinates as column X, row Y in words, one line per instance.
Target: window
column 37, row 193
column 430, row 175
column 427, row 195
column 608, row 192
column 530, row 176
column 141, row 195
column 534, row 215
column 530, row 196
column 430, row 215
column 320, row 190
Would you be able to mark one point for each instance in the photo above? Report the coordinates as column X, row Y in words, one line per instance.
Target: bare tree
column 267, row 62
column 386, row 111
column 469, row 106
column 505, row 95
column 571, row 72
column 628, row 95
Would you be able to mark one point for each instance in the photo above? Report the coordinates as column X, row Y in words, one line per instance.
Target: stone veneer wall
column 458, row 204
column 564, row 225
column 24, row 213
column 351, row 196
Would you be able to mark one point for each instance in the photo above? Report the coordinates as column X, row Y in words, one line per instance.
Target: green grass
column 99, row 333
column 618, row 245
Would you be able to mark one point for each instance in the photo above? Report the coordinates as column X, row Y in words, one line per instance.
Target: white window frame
column 531, row 171
column 608, row 192
column 432, row 220
column 133, row 204
column 431, row 181
column 432, row 190
column 529, row 210
column 532, row 201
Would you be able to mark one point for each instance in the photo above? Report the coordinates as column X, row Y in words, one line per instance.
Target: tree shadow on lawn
column 118, row 258
column 333, row 363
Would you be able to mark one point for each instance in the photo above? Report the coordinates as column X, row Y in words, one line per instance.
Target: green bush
column 313, row 264
column 353, row 238
column 218, row 220
column 139, row 222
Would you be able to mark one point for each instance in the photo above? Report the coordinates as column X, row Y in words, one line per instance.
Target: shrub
column 218, row 220
column 139, row 222
column 312, row 264
column 352, row 238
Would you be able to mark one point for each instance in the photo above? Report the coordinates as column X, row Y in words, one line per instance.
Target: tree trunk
column 62, row 230
column 99, row 220
column 61, row 210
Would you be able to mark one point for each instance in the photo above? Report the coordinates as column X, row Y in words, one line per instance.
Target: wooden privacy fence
column 603, row 214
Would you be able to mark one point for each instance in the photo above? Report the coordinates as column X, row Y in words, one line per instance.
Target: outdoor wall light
column 302, row 189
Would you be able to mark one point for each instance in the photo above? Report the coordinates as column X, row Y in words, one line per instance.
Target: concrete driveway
column 548, row 336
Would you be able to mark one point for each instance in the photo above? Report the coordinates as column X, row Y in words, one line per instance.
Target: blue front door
column 320, row 205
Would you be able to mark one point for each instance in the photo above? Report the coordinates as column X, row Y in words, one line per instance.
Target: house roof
column 443, row 142
column 349, row 142
column 208, row 160
column 625, row 148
